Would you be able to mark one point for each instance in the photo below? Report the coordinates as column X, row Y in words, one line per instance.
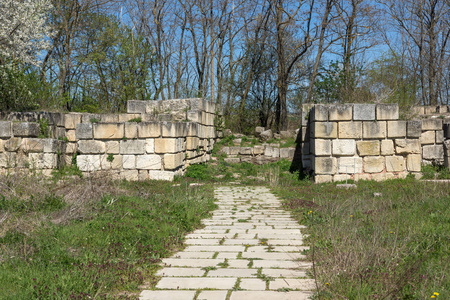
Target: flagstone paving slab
column 248, row 239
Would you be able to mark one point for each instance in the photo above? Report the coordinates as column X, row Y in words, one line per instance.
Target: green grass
column 107, row 251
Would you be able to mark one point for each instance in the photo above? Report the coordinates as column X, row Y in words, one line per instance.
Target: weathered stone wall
column 154, row 139
column 259, row 154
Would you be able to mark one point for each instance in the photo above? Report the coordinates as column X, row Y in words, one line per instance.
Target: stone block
column 442, row 109
column 428, row 137
column 306, row 148
column 192, row 143
column 268, row 150
column 84, row 131
column 153, row 107
column 43, row 160
column 143, row 175
column 285, row 152
column 396, row 129
column 171, row 129
column 132, row 147
column 123, row 118
column 258, row 131
column 130, row 175
column 150, row 145
column 8, row 159
column 161, row 175
column 136, row 106
column 90, row 118
column 340, row 112
column 413, row 162
column 446, row 130
column 344, row 147
column 131, row 130
column 395, row 163
column 194, row 116
column 167, row 145
column 91, row 147
column 286, row 134
column 71, row 135
column 89, row 163
column 433, row 152
column 387, row 147
column 266, row 135
column 387, row 112
column 323, row 178
column 173, row 161
column 319, row 113
column 246, row 151
column 148, row 162
column 2, row 145
column 324, row 130
column 374, row 130
column 350, row 130
column 439, row 136
column 364, row 112
column 432, row 124
column 406, row 146
column 362, row 176
column 149, row 129
column 413, row 129
column 382, row 176
column 373, row 164
column 350, row 165
column 5, row 129
column 129, row 161
column 26, row 129
column 71, row 120
column 276, row 152
column 342, row 177
column 51, row 145
column 232, row 160
column 368, row 148
column 112, row 147
column 13, row 144
column 115, row 164
column 258, row 150
column 30, row 145
column 71, row 148
column 103, row 131
column 110, row 118
column 325, row 165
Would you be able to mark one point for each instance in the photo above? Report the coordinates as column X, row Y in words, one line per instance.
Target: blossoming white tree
column 23, row 29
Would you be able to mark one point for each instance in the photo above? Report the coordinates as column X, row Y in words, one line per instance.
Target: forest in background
column 260, row 59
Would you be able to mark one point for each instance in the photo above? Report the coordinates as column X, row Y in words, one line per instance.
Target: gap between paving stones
column 249, row 249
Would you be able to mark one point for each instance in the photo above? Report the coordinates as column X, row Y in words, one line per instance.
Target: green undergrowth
column 383, row 240
column 53, row 247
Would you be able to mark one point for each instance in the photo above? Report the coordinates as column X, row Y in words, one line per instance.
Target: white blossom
column 24, row 32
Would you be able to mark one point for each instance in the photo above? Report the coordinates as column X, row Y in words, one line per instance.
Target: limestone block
column 258, row 131
column 232, row 160
column 323, row 178
column 32, row 145
column 129, row 161
column 341, row 177
column 276, row 152
column 161, row 175
column 442, row 109
column 71, row 148
column 192, row 143
column 71, row 135
column 364, row 112
column 350, row 130
column 112, row 147
column 382, row 176
column 428, row 137
column 130, row 175
column 60, row 133
column 428, row 110
column 325, row 165
column 387, row 112
column 51, row 145
column 91, row 147
column 324, row 130
column 192, row 129
column 374, row 130
column 266, row 135
column 71, row 120
column 13, row 144
column 131, row 130
column 89, row 163
column 340, row 112
column 368, row 148
column 170, row 129
column 104, row 131
column 225, row 150
column 433, row 152
column 284, row 152
column 173, row 161
column 258, row 150
column 306, row 148
column 8, row 159
column 319, row 113
column 148, row 162
column 413, row 162
column 432, row 124
column 362, row 176
column 2, row 145
column 181, row 144
column 246, row 151
column 268, row 151
column 123, row 118
column 143, row 175
column 395, row 163
column 373, row 164
column 167, row 145
column 5, row 129
column 150, row 145
column 149, row 129
column 350, row 165
column 43, row 160
column 90, row 118
column 344, row 147
column 136, row 106
column 305, row 117
column 414, row 129
column 109, row 118
column 387, row 147
column 446, row 130
column 26, row 129
column 306, row 163
column 153, row 107
column 132, row 147
column 194, row 116
column 418, row 110
column 439, row 136
column 84, row 131
column 396, row 129
column 405, row 146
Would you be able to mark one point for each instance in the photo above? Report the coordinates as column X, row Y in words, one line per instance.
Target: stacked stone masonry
column 259, row 154
column 153, row 140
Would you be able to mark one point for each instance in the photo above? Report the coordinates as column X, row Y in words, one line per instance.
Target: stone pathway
column 250, row 249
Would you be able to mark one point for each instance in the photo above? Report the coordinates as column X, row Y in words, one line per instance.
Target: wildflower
column 391, row 232
column 436, row 294
column 351, row 216
column 433, row 296
column 326, row 283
